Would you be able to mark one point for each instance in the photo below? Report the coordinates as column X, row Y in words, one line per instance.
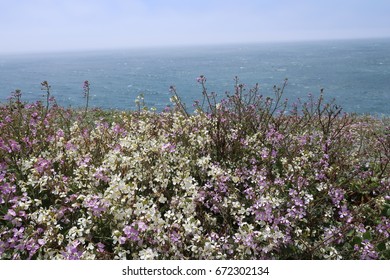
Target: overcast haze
column 61, row 25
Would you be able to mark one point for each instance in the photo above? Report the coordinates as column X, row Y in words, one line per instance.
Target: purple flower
column 168, row 147
column 345, row 213
column 70, row 146
column 7, row 189
column 99, row 175
column 296, row 212
column 249, row 242
column 3, row 146
column 274, row 136
column 95, row 204
column 131, row 233
column 174, row 237
column 18, row 233
column 201, row 79
column 11, row 214
column 360, row 228
column 100, row 247
column 119, row 130
column 142, row 226
column 32, row 247
column 249, row 193
column 263, row 211
column 201, row 196
column 302, row 140
column 298, row 201
column 3, row 165
column 20, row 247
column 337, row 195
column 15, row 147
column 333, row 235
column 3, row 246
column 384, row 227
column 7, row 119
column 356, row 248
column 72, row 252
column 320, row 176
column 292, row 192
column 368, row 251
column 27, row 141
column 85, row 161
column 42, row 165
column 41, row 242
column 214, row 236
column 60, row 133
column 264, row 153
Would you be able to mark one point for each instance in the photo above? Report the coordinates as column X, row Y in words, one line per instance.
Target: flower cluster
column 240, row 180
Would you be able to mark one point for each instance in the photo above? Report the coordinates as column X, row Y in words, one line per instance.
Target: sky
column 69, row 25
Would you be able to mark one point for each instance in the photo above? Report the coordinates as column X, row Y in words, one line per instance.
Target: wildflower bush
column 249, row 177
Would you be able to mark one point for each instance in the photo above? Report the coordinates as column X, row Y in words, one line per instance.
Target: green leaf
column 388, row 212
column 381, row 246
column 348, row 247
column 367, row 235
column 357, row 240
column 350, row 233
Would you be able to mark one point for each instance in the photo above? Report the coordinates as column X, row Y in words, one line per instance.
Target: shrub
column 245, row 178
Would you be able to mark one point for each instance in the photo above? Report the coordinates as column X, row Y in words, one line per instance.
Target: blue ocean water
column 355, row 72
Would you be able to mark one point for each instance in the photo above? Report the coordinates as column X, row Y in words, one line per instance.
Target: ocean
column 354, row 72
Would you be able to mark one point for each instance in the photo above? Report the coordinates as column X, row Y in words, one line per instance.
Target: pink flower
column 72, row 252
column 368, row 252
column 42, row 165
column 142, row 226
column 201, row 79
column 131, row 233
column 60, row 133
column 41, row 242
column 96, row 205
column 100, row 247
column 14, row 146
column 10, row 215
column 168, row 147
column 175, row 237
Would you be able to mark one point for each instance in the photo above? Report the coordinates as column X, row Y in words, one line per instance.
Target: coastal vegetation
column 245, row 177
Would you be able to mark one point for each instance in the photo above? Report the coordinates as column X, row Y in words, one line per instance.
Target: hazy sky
column 53, row 25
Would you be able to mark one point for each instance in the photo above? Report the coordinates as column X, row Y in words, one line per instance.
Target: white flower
column 148, row 254
column 162, row 199
column 169, row 214
column 321, row 186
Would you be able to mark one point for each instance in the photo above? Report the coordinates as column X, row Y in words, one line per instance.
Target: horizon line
column 184, row 45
